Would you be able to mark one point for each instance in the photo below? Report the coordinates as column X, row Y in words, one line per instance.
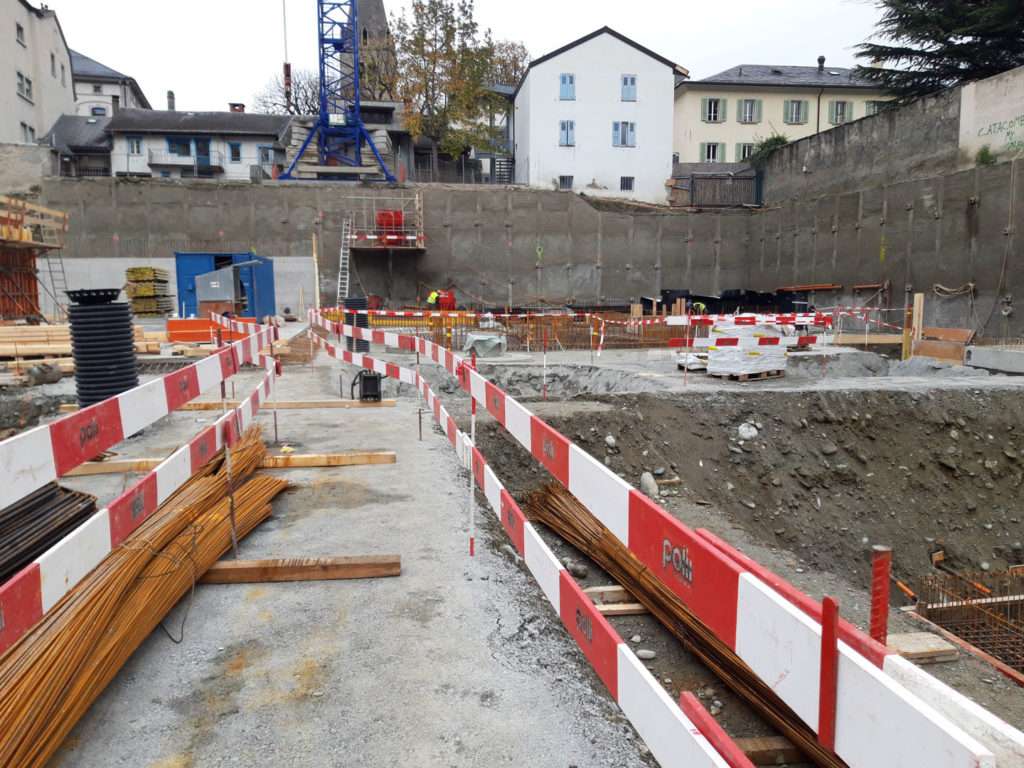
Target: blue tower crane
column 339, row 129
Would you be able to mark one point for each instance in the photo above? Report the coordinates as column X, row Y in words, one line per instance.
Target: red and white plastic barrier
column 773, row 627
column 32, row 459
column 29, row 594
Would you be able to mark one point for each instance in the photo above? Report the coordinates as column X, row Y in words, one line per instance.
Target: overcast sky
column 211, row 52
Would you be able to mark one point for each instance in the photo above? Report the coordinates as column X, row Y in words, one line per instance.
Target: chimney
column 236, row 106
column 170, row 101
column 821, row 63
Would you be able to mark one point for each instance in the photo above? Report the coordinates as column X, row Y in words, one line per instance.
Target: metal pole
column 419, row 392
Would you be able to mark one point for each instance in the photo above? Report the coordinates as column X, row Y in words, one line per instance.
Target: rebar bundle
column 35, row 523
column 51, row 676
column 559, row 510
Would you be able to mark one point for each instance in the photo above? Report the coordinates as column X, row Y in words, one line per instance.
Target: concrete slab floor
column 457, row 662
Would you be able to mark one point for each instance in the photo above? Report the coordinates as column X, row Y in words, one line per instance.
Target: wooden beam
column 612, row 593
column 303, row 569
column 291, row 405
column 282, row 405
column 770, row 750
column 293, row 461
column 923, row 647
column 621, row 609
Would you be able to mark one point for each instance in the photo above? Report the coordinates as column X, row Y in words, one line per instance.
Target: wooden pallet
column 748, row 376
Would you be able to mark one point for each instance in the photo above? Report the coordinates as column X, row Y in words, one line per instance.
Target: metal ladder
column 344, row 255
column 58, row 282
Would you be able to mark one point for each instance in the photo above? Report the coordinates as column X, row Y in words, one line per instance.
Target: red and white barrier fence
column 29, row 594
column 673, row 739
column 769, row 624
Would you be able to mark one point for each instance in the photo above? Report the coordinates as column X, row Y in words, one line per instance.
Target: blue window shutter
column 723, row 108
column 832, row 112
column 849, row 111
column 615, row 134
column 720, row 157
column 786, row 111
column 757, row 111
column 572, row 133
column 632, row 134
column 805, row 111
column 739, row 152
column 704, row 110
column 703, row 152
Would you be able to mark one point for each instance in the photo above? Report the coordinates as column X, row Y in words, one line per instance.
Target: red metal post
column 713, row 732
column 829, row 673
column 881, row 567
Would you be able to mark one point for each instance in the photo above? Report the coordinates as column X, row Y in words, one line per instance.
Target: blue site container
column 257, row 280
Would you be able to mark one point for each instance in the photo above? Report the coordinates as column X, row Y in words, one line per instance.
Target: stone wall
column 915, row 141
column 22, row 167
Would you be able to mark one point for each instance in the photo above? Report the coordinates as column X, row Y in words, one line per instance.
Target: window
column 629, row 87
column 97, row 89
column 567, row 87
column 53, row 65
column 63, row 75
column 266, row 155
column 165, row 174
column 744, row 151
column 712, row 152
column 565, row 183
column 235, row 151
column 99, row 111
column 134, row 145
column 567, row 133
column 623, row 134
column 874, row 107
column 712, row 110
column 750, row 111
column 794, row 111
column 182, row 147
column 21, row 84
column 840, row 112
column 19, row 33
column 25, row 132
column 31, row 134
column 626, row 183
column 28, row 88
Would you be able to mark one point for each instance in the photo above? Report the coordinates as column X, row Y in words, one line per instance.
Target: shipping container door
column 188, row 266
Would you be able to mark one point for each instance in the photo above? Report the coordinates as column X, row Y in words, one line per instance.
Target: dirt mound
column 827, row 474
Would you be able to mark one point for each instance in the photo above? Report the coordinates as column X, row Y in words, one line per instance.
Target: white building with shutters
column 595, row 116
column 720, row 119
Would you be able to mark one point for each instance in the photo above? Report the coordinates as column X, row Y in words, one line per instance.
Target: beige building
column 721, row 118
column 101, row 91
column 35, row 72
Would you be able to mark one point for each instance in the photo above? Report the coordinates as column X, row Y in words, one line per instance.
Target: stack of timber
column 294, row 351
column 53, row 674
column 24, row 346
column 35, row 523
column 148, row 290
column 559, row 510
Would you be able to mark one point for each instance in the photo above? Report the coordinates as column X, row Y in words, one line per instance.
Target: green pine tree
column 926, row 45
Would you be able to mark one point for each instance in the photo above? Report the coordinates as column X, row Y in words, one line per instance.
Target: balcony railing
column 160, row 157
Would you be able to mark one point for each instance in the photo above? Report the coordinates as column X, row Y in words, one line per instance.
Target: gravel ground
column 458, row 662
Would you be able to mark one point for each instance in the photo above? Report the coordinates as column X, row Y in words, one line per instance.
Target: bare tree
column 305, row 95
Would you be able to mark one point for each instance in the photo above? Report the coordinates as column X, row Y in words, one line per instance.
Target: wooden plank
column 950, row 351
column 292, row 461
column 923, row 647
column 612, row 593
column 769, row 750
column 621, row 609
column 291, row 405
column 303, row 569
column 347, row 459
column 962, row 335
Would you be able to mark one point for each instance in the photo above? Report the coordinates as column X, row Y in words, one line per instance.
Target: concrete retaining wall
column 496, row 245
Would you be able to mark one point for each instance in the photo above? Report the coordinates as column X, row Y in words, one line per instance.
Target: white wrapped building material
column 737, row 361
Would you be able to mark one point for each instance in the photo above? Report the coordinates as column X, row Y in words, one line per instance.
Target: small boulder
column 649, row 485
column 746, row 431
column 645, row 654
